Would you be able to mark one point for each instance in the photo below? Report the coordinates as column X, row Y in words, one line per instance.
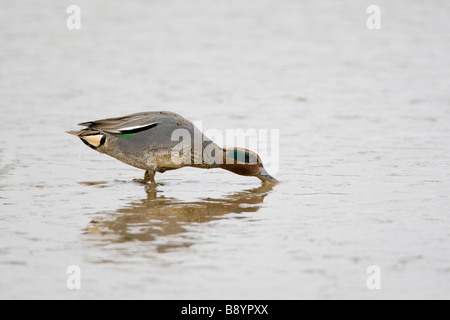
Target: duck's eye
column 244, row 156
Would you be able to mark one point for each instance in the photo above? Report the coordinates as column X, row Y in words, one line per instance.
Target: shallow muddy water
column 364, row 163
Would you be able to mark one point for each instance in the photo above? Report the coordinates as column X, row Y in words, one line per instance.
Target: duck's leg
column 149, row 176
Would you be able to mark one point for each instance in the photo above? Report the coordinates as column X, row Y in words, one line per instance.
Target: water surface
column 364, row 150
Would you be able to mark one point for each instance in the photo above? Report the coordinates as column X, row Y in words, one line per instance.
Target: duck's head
column 246, row 163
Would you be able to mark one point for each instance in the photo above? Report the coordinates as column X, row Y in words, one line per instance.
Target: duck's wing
column 129, row 124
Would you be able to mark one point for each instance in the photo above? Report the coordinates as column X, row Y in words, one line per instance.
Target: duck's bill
column 266, row 177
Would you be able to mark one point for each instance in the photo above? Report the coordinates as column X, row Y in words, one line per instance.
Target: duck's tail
column 73, row 132
column 91, row 137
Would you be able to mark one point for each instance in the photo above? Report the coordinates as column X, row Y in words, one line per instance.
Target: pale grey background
column 364, row 128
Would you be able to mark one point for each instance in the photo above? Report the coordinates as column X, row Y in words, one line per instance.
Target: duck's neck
column 210, row 156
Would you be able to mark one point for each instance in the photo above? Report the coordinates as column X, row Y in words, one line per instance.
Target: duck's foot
column 149, row 177
column 142, row 181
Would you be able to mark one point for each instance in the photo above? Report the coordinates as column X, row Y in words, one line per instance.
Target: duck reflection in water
column 158, row 216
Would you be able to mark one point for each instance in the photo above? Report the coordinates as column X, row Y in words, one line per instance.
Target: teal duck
column 161, row 141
